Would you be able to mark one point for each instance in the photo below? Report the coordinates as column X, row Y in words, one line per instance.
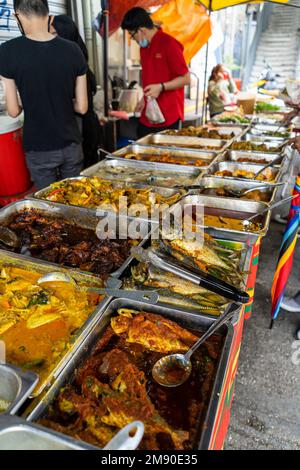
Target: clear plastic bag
column 153, row 112
column 293, row 89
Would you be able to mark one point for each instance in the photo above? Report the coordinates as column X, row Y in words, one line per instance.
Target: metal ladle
column 8, row 237
column 181, row 364
column 273, row 162
column 255, row 188
column 247, row 222
column 138, row 295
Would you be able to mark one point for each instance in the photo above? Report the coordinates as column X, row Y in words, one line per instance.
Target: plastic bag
column 153, row 112
column 293, row 89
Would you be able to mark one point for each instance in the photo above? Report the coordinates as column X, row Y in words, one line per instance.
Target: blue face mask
column 144, row 43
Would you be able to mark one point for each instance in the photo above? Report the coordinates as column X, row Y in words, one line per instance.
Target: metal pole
column 125, row 55
column 205, row 76
column 105, row 13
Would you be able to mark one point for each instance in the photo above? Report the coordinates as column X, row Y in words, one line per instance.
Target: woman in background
column 64, row 26
column 220, row 89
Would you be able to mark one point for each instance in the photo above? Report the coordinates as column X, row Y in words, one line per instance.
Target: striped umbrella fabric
column 285, row 259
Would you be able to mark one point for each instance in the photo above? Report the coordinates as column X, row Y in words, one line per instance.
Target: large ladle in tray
column 137, row 295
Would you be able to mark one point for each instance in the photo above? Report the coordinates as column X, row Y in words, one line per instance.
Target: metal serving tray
column 77, row 216
column 264, row 128
column 235, row 155
column 271, row 146
column 236, row 130
column 185, row 142
column 233, row 166
column 165, row 192
column 263, row 139
column 233, row 207
column 136, row 171
column 229, row 124
column 16, row 386
column 188, row 320
column 17, row 434
column 18, row 261
column 212, row 182
column 151, row 149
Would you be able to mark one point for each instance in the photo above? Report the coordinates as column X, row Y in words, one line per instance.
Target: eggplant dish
column 114, row 385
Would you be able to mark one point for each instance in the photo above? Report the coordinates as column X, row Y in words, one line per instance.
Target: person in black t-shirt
column 50, row 75
column 92, row 134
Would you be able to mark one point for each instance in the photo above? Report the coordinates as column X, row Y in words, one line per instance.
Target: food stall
column 99, row 377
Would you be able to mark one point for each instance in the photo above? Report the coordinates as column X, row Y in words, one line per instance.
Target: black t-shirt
column 45, row 74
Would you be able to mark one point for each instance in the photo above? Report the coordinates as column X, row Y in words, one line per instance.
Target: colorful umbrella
column 285, row 259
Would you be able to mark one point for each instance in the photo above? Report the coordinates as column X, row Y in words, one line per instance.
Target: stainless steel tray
column 16, row 386
column 236, row 130
column 263, row 139
column 229, row 124
column 235, row 155
column 152, row 149
column 216, row 145
column 75, row 215
column 271, row 146
column 233, row 166
column 17, row 434
column 265, row 128
column 212, row 182
column 237, row 207
column 165, row 192
column 10, row 259
column 189, row 320
column 136, row 171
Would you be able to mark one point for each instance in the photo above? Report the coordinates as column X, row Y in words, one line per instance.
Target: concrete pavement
column 266, row 407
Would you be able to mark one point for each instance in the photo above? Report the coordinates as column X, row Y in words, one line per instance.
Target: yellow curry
column 37, row 323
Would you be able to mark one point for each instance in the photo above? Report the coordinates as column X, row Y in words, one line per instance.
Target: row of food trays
column 81, row 358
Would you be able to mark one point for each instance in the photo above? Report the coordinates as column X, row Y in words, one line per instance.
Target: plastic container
column 247, row 102
column 14, row 175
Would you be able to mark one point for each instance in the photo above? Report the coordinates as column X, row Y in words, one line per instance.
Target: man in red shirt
column 164, row 70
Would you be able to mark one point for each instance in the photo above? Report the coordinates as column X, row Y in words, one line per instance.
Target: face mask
column 144, row 43
column 20, row 26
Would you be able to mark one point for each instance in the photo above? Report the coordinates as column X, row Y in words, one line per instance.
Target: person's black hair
column 32, row 7
column 67, row 29
column 137, row 18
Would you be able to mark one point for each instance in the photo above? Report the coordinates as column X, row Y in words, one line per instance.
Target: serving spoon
column 273, row 162
column 247, row 222
column 138, row 295
column 128, row 438
column 255, row 188
column 175, row 369
column 8, row 237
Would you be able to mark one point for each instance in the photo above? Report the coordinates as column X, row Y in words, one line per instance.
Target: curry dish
column 168, row 158
column 230, row 223
column 114, row 385
column 256, row 195
column 203, row 132
column 266, row 175
column 59, row 241
column 97, row 193
column 37, row 323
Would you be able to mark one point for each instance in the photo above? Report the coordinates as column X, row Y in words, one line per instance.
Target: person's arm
column 81, row 96
column 180, row 82
column 11, row 96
